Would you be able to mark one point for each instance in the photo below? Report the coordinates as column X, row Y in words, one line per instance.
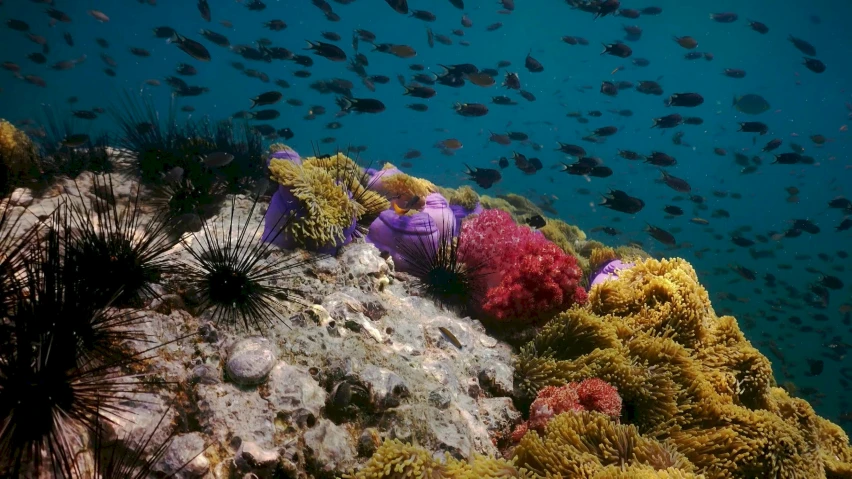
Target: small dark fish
column 37, row 58
column 693, row 120
column 685, row 100
column 618, row 49
column 484, row 177
column 140, row 52
column 533, row 65
column 265, row 115
column 102, row 42
column 163, row 32
column 673, row 210
column 803, row 46
column 418, row 91
column 605, row 131
column 678, row 184
column 424, row 15
column 493, row 26
column 471, row 109
column 256, row 6
column 399, row 6
column 814, row 65
column 109, row 72
column 69, row 40
column 186, row 69
column 620, row 201
column 726, row 17
column 661, row 235
column 758, row 27
column 217, row 160
column 815, row 367
column 204, row 10
column 275, row 25
column 85, row 114
column 268, row 98
column 668, row 121
column 360, row 105
column 187, row 108
column 753, row 127
column 327, row 50
column 503, row 100
column 741, row 241
column 527, row 95
column 195, row 49
column 734, row 73
column 75, row 140
column 536, row 222
column 58, row 15
column 331, row 36
column 17, row 25
column 286, row 133
column 831, row 282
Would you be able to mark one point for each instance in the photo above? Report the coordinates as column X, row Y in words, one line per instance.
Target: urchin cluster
column 61, row 357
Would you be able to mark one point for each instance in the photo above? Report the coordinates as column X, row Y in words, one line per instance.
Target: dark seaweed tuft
column 441, row 272
column 237, row 276
column 59, row 159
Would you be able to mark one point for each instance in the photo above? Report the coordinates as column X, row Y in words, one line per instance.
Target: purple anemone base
column 281, row 205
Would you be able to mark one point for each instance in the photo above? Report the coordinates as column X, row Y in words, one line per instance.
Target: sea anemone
column 120, row 256
column 323, row 212
column 238, row 277
column 357, row 179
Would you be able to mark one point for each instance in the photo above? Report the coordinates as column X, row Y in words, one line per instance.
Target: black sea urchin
column 47, row 401
column 234, row 274
column 13, row 243
column 120, row 256
column 441, row 272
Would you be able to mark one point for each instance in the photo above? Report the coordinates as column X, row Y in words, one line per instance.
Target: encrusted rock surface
column 365, row 360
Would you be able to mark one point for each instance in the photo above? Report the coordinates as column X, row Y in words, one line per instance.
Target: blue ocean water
column 803, row 104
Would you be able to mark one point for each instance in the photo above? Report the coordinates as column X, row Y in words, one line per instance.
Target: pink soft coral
column 530, row 278
column 592, row 394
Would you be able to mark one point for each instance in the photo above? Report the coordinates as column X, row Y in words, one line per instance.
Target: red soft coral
column 543, row 282
column 592, row 394
column 598, row 395
column 529, row 278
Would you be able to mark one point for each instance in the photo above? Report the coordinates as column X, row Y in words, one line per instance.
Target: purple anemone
column 286, row 154
column 281, row 205
column 422, row 229
column 608, row 271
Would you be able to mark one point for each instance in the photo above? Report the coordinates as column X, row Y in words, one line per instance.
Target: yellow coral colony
column 688, row 378
column 329, row 210
column 18, row 155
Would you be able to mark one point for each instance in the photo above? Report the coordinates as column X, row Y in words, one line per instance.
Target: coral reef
column 686, row 376
column 19, row 161
column 530, row 279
